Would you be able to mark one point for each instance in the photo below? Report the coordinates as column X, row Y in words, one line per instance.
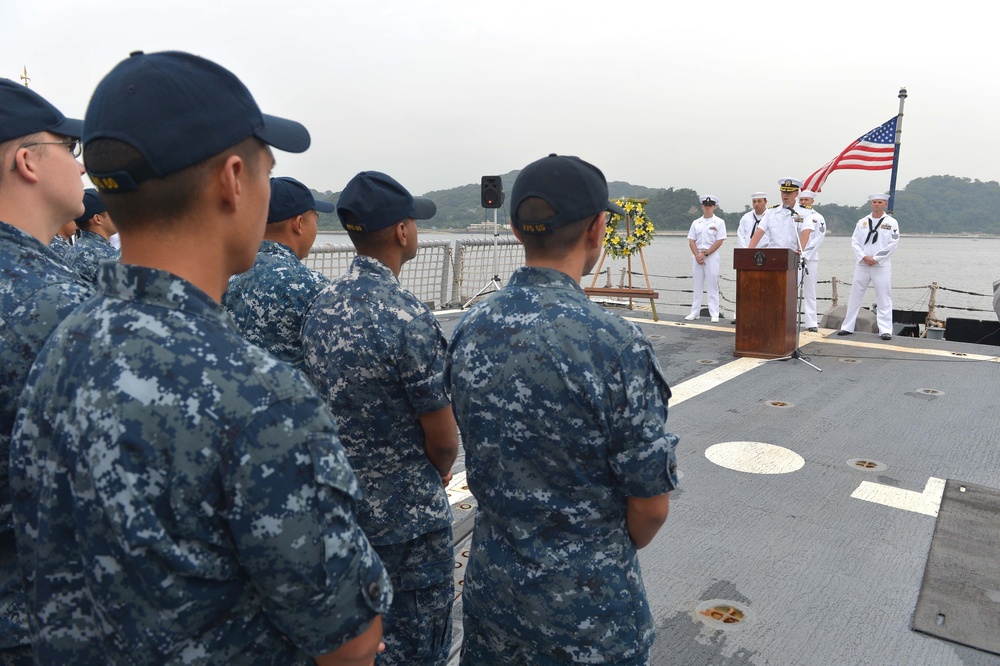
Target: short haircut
column 87, row 224
column 166, row 198
column 370, row 242
column 555, row 244
column 6, row 146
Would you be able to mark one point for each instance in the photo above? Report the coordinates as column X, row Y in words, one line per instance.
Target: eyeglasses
column 75, row 147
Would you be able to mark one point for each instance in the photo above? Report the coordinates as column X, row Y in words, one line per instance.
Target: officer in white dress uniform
column 704, row 239
column 811, row 254
column 875, row 239
column 750, row 221
column 787, row 225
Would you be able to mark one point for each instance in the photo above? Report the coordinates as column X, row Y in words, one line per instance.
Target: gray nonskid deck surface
column 822, row 577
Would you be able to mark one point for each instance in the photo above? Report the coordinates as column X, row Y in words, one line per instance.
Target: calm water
column 964, row 264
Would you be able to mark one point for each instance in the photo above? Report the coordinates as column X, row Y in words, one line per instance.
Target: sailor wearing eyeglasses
column 40, row 189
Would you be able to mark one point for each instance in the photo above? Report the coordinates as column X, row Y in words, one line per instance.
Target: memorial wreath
column 640, row 235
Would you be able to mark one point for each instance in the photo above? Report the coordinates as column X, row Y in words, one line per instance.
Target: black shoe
column 843, row 332
column 813, row 329
column 886, row 336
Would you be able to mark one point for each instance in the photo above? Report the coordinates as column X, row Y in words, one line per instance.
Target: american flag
column 872, row 152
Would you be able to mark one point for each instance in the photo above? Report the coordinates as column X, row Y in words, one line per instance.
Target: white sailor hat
column 759, row 195
column 878, row 195
column 808, row 194
column 789, row 184
column 708, row 198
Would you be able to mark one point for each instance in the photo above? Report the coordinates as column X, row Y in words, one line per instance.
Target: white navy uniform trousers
column 704, row 232
column 878, row 242
column 811, row 255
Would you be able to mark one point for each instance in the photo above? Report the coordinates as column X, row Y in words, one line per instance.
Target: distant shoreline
column 670, row 233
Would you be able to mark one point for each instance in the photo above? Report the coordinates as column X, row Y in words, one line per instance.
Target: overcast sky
column 721, row 97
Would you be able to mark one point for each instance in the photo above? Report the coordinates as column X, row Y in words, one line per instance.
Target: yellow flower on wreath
column 642, row 230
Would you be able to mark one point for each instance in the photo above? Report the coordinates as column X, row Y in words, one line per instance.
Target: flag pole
column 895, row 154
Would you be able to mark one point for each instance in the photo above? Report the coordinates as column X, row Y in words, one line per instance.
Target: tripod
column 494, row 284
column 803, row 270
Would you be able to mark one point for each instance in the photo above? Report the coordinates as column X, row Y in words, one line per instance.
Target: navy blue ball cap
column 378, row 201
column 24, row 112
column 177, row 110
column 289, row 198
column 92, row 205
column 573, row 188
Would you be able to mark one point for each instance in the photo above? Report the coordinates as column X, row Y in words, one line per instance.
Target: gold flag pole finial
column 24, row 77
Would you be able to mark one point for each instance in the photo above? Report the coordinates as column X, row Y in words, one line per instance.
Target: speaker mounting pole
column 491, row 195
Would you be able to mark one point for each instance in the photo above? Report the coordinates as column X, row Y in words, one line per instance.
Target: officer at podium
column 787, row 225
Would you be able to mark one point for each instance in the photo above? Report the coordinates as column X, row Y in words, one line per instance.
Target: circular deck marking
column 707, row 361
column 866, row 465
column 755, row 458
column 723, row 613
column 779, row 403
column 930, row 391
column 848, row 360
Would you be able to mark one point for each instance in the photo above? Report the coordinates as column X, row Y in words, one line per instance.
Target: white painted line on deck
column 707, row 326
column 712, row 378
column 927, row 502
column 458, row 490
column 921, row 351
column 825, row 335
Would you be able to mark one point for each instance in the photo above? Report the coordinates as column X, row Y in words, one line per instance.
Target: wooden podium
column 766, row 292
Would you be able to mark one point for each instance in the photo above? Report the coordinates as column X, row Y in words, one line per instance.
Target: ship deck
column 808, row 498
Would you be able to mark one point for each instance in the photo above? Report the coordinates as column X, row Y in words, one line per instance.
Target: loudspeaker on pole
column 492, row 192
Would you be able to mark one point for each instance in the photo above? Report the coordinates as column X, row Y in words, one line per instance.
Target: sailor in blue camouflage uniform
column 376, row 353
column 269, row 301
column 40, row 188
column 93, row 244
column 192, row 501
column 562, row 408
column 64, row 239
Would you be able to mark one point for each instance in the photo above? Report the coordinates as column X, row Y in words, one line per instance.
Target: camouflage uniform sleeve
column 421, row 357
column 291, row 493
column 643, row 458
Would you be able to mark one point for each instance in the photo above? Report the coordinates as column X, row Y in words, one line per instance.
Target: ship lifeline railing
column 676, row 293
column 447, row 274
column 444, row 274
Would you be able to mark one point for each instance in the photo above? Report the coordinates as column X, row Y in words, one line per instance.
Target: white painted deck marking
column 712, row 378
column 458, row 489
column 927, row 502
column 805, row 337
column 755, row 457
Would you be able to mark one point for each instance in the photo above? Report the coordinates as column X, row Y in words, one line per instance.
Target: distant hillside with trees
column 932, row 205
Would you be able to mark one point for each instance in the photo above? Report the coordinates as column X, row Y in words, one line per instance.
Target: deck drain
column 959, row 354
column 654, row 336
column 723, row 613
column 866, row 465
column 779, row 403
column 707, row 361
column 848, row 360
column 930, row 391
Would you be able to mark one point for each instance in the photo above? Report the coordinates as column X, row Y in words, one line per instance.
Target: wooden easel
column 629, row 292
